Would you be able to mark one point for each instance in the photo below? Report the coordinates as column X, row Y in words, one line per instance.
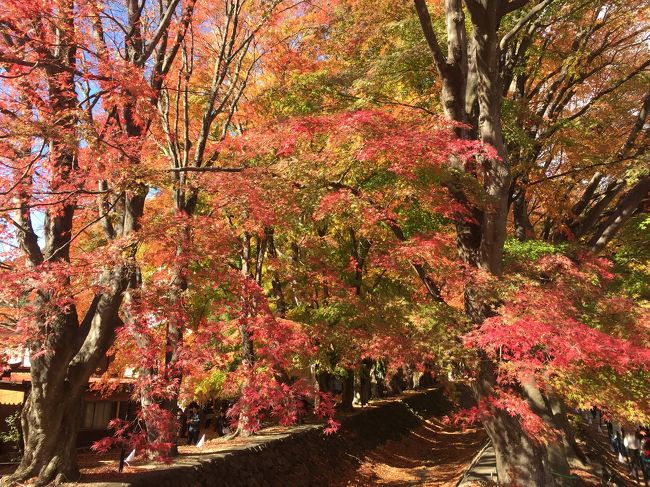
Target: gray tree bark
column 472, row 87
column 629, row 203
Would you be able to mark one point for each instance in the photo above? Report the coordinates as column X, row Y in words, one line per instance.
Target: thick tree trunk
column 50, row 419
column 472, row 88
column 520, row 461
column 62, row 361
column 523, row 227
column 348, row 391
column 555, row 447
column 65, row 350
column 497, row 180
column 561, row 423
column 51, row 415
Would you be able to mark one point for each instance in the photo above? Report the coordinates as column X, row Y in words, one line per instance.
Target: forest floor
column 422, row 450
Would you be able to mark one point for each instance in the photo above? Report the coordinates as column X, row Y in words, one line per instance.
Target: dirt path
column 432, row 454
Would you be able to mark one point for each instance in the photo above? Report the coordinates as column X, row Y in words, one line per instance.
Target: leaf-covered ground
column 433, row 454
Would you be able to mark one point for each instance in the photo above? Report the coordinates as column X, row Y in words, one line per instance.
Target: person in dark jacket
column 219, row 417
column 193, row 426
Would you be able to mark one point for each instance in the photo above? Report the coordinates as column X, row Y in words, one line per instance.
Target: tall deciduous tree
column 198, row 106
column 476, row 75
column 78, row 81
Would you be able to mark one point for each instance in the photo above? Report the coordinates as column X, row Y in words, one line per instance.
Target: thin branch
column 206, row 169
column 511, row 6
column 430, row 36
column 83, row 229
column 522, row 22
column 595, row 98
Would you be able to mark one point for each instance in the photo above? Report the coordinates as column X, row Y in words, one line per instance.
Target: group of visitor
column 196, row 418
column 631, row 444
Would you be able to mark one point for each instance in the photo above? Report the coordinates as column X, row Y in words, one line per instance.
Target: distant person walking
column 193, row 426
column 645, row 459
column 632, row 443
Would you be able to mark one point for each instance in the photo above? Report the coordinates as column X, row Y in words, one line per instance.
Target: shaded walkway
column 431, row 454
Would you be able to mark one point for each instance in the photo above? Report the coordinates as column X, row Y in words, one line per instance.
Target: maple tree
column 475, row 75
column 199, row 100
column 78, row 87
column 197, row 110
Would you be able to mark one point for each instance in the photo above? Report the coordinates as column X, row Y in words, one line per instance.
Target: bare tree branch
column 532, row 13
column 430, row 36
column 626, row 207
